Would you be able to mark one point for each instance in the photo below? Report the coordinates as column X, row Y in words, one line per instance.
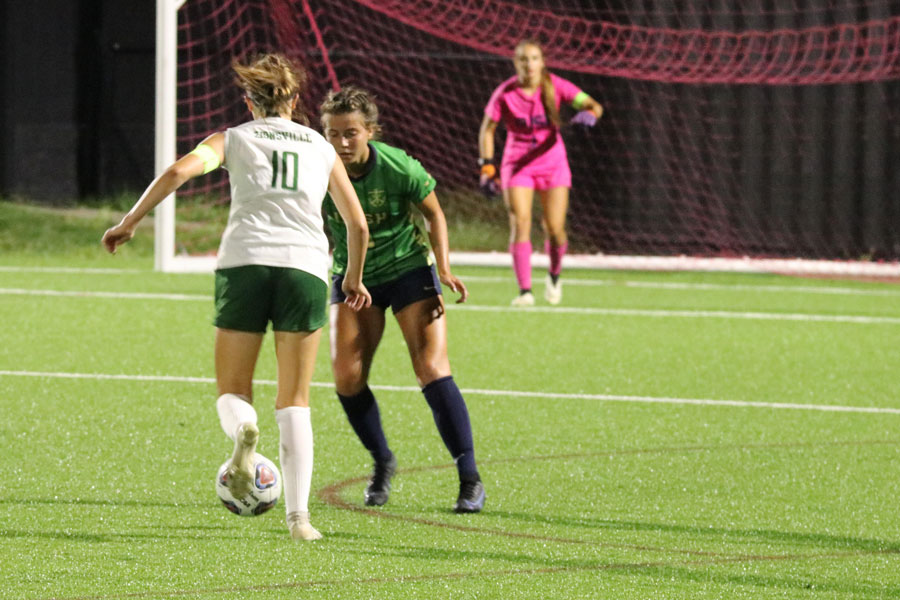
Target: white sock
column 233, row 410
column 296, row 455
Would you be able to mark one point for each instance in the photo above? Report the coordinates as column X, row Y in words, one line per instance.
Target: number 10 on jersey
column 285, row 169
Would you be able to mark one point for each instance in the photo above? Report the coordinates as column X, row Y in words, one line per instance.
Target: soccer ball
column 263, row 495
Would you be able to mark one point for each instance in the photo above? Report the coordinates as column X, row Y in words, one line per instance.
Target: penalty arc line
column 331, row 494
column 841, row 408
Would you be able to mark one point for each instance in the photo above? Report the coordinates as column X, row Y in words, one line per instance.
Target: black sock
column 554, row 278
column 523, row 292
column 362, row 412
column 452, row 419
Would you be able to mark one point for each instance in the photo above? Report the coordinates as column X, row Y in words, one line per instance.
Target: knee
column 520, row 221
column 555, row 232
column 553, row 227
column 348, row 379
column 428, row 370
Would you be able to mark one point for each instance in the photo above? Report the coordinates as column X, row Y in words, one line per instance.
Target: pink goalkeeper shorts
column 538, row 168
column 539, row 175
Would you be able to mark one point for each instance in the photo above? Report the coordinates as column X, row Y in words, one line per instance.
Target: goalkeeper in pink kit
column 534, row 158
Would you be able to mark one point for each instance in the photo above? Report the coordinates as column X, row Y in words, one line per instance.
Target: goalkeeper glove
column 489, row 182
column 585, row 118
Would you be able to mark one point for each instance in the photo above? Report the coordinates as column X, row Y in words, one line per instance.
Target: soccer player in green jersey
column 392, row 188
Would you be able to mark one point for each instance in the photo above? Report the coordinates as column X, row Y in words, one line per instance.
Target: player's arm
column 208, row 155
column 489, row 178
column 347, row 204
column 436, row 224
column 486, row 138
column 585, row 104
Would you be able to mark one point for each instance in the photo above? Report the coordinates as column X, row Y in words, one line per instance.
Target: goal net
column 751, row 132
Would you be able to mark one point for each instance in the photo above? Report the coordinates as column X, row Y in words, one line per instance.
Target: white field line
column 70, row 270
column 661, row 285
column 695, row 314
column 206, row 264
column 725, row 287
column 795, row 266
column 558, row 310
column 484, row 392
column 118, row 295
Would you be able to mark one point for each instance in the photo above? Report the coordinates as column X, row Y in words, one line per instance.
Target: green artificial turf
column 630, row 440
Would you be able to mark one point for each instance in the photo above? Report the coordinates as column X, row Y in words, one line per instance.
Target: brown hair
column 271, row 81
column 350, row 99
column 548, row 93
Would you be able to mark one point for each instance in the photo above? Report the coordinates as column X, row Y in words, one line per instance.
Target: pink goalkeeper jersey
column 527, row 127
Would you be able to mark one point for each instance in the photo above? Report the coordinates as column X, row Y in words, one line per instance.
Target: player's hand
column 585, row 118
column 357, row 297
column 116, row 236
column 455, row 283
column 489, row 182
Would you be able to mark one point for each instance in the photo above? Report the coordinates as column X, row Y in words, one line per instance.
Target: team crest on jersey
column 376, row 198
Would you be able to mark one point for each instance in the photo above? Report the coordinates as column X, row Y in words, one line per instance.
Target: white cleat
column 298, row 524
column 553, row 291
column 241, row 472
column 522, row 300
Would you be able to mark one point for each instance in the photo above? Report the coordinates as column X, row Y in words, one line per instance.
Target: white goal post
column 166, row 260
column 165, row 127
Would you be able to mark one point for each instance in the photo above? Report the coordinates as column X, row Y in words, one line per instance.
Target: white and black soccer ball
column 263, row 495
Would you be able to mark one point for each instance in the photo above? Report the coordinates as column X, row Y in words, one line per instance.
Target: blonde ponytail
column 548, row 98
column 271, row 82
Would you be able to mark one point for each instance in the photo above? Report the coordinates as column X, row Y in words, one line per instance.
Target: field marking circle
column 331, row 494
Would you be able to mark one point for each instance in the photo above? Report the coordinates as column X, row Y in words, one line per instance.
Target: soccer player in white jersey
column 272, row 266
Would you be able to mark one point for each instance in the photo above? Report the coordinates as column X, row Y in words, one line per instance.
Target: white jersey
column 279, row 172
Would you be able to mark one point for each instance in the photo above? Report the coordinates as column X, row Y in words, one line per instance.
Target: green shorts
column 248, row 297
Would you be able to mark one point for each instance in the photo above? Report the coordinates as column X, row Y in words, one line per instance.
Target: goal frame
column 165, row 122
column 166, row 260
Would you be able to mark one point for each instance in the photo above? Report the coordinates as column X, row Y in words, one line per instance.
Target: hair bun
column 271, row 81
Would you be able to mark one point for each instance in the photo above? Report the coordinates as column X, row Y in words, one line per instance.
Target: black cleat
column 379, row 488
column 471, row 497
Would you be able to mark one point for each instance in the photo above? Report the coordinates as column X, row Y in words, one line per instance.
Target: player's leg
column 518, row 200
column 239, row 334
column 298, row 315
column 424, row 329
column 555, row 204
column 354, row 339
column 235, row 357
column 296, row 353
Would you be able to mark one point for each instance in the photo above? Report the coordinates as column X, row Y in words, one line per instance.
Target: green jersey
column 392, row 183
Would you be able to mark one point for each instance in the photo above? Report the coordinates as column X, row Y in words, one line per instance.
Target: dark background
column 76, row 118
column 753, row 170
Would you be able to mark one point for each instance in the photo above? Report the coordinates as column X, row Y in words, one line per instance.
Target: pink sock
column 521, row 255
column 556, row 254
